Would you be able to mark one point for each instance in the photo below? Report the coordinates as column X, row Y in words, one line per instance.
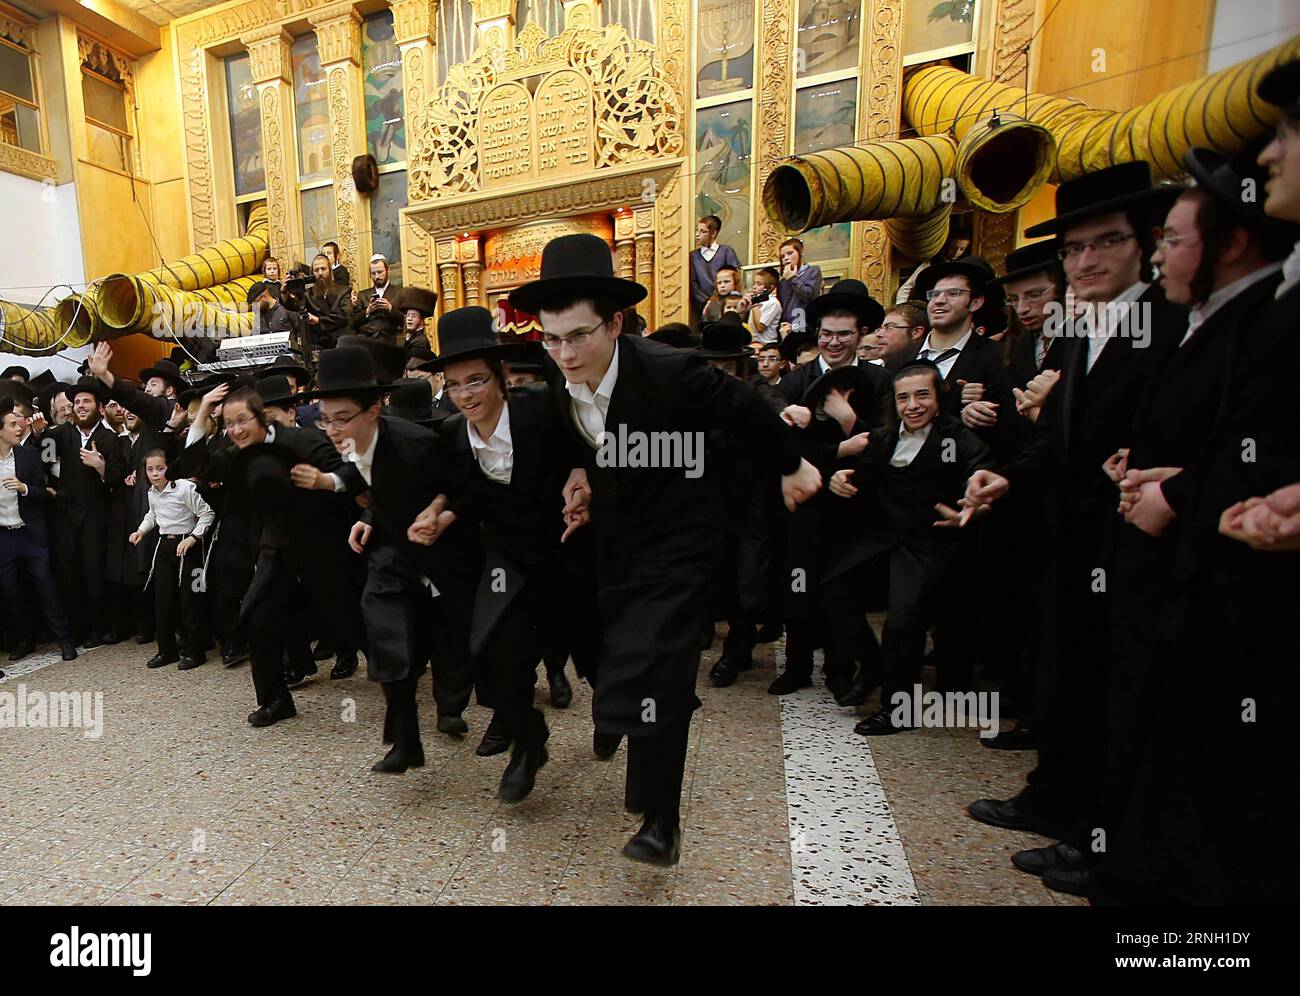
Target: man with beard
column 329, row 306
column 92, row 463
column 376, row 314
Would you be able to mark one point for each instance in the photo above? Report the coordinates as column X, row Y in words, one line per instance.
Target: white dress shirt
column 1290, row 271
column 9, row 499
column 1103, row 314
column 365, row 460
column 825, row 368
column 946, row 364
column 769, row 314
column 177, row 510
column 909, row 445
column 589, row 410
column 708, row 252
column 1198, row 315
column 85, row 436
column 496, row 454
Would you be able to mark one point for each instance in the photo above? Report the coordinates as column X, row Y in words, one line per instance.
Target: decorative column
column 643, row 227
column 879, row 106
column 495, row 21
column 670, row 293
column 338, row 38
column 449, row 298
column 414, row 24
column 623, row 244
column 773, row 127
column 469, row 253
column 272, row 71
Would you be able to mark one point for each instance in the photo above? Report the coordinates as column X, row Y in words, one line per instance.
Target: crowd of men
column 1076, row 482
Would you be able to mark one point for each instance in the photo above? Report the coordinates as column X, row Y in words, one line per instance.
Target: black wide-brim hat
column 165, row 369
column 93, row 385
column 201, row 387
column 848, row 295
column 418, row 299
column 17, row 390
column 796, row 342
column 389, row 359
column 725, row 339
column 45, row 397
column 865, row 399
column 275, row 390
column 284, row 364
column 1281, row 86
column 1037, row 257
column 976, row 269
column 466, row 334
column 576, row 266
column 344, row 371
column 10, row 371
column 1107, row 191
column 677, row 336
column 1225, row 178
column 412, row 401
column 262, row 470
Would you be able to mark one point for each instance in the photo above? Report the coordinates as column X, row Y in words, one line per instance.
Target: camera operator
column 270, row 280
column 377, row 315
column 328, row 306
column 283, row 313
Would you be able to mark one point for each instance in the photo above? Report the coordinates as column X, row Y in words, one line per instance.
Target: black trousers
column 452, row 664
column 507, row 672
column 742, row 635
column 79, row 559
column 655, row 768
column 18, row 546
column 401, row 713
column 268, row 633
column 178, row 598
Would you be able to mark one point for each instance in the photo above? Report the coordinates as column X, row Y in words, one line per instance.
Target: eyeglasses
column 240, row 423
column 1165, row 241
column 836, row 336
column 471, row 386
column 554, row 343
column 895, row 327
column 1073, row 250
column 1030, row 295
column 336, row 423
column 938, row 292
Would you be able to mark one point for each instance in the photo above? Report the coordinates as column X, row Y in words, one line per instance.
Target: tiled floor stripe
column 33, row 663
column 844, row 846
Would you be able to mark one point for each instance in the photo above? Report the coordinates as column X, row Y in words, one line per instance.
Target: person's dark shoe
column 1075, row 881
column 344, row 667
column 189, row 663
column 770, row 632
column 494, row 741
column 837, row 683
column 1037, row 860
column 91, row 641
column 789, row 681
column 143, row 639
column 322, row 651
column 724, row 672
column 21, row 652
column 298, row 675
column 68, row 649
column 707, row 636
column 864, row 683
column 453, row 726
column 605, row 745
column 521, row 773
column 397, row 760
column 234, row 656
column 658, row 842
column 561, row 690
column 111, row 638
column 281, row 708
column 880, row 724
column 1020, row 738
column 1012, row 814
column 162, row 660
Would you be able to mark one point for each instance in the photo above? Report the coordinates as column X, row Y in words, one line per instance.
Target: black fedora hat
column 1037, row 257
column 412, row 401
column 19, row 391
column 344, row 371
column 849, row 295
column 165, row 369
column 725, row 339
column 10, row 371
column 262, row 470
column 42, row 380
column 275, row 390
column 466, row 334
column 976, row 269
column 45, row 398
column 202, row 386
column 1281, row 86
column 795, row 343
column 285, row 364
column 865, row 399
column 89, row 385
column 1107, row 191
column 389, row 358
column 675, row 334
column 1225, row 178
column 578, row 265
column 417, row 299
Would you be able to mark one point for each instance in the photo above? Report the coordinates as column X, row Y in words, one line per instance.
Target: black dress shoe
column 397, row 760
column 453, row 726
column 1011, row 814
column 879, row 724
column 605, row 745
column 295, row 676
column 789, row 681
column 281, row 708
column 492, row 744
column 770, row 632
column 68, row 649
column 837, row 684
column 91, row 641
column 234, row 656
column 864, row 683
column 322, row 651
column 521, row 773
column 162, row 660
column 344, row 667
column 189, row 663
column 21, row 652
column 723, row 673
column 1075, row 881
column 111, row 638
column 1020, row 738
column 1037, row 860
column 658, row 842
column 561, row 690
column 143, row 639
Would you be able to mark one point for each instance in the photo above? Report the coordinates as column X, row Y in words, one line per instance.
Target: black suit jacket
column 31, row 506
column 153, row 411
column 381, row 324
column 82, row 492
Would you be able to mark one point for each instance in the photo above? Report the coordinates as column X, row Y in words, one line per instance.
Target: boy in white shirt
column 182, row 517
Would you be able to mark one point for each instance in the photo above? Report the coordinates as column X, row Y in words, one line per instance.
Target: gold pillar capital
column 270, row 54
column 495, row 21
column 414, row 21
column 338, row 33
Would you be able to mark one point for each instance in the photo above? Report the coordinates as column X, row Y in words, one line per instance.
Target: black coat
column 82, row 493
column 381, row 324
column 334, row 313
column 32, row 506
column 154, row 412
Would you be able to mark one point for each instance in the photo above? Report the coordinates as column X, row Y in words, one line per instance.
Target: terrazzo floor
column 180, row 802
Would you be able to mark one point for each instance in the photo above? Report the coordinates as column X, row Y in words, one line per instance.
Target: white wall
column 1245, row 28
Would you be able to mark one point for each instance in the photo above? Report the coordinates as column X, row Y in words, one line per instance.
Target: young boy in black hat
column 656, row 528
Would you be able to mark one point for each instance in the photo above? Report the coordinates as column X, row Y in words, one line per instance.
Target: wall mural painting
column 824, row 117
column 245, row 126
column 385, row 221
column 385, row 111
column 725, row 46
column 311, row 106
column 723, row 151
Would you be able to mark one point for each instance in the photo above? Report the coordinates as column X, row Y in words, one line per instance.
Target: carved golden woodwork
column 449, row 273
column 514, row 255
column 23, row 162
column 643, row 224
column 338, row 36
column 14, row 158
column 772, row 139
column 338, row 33
column 272, row 69
column 270, row 54
column 414, row 25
